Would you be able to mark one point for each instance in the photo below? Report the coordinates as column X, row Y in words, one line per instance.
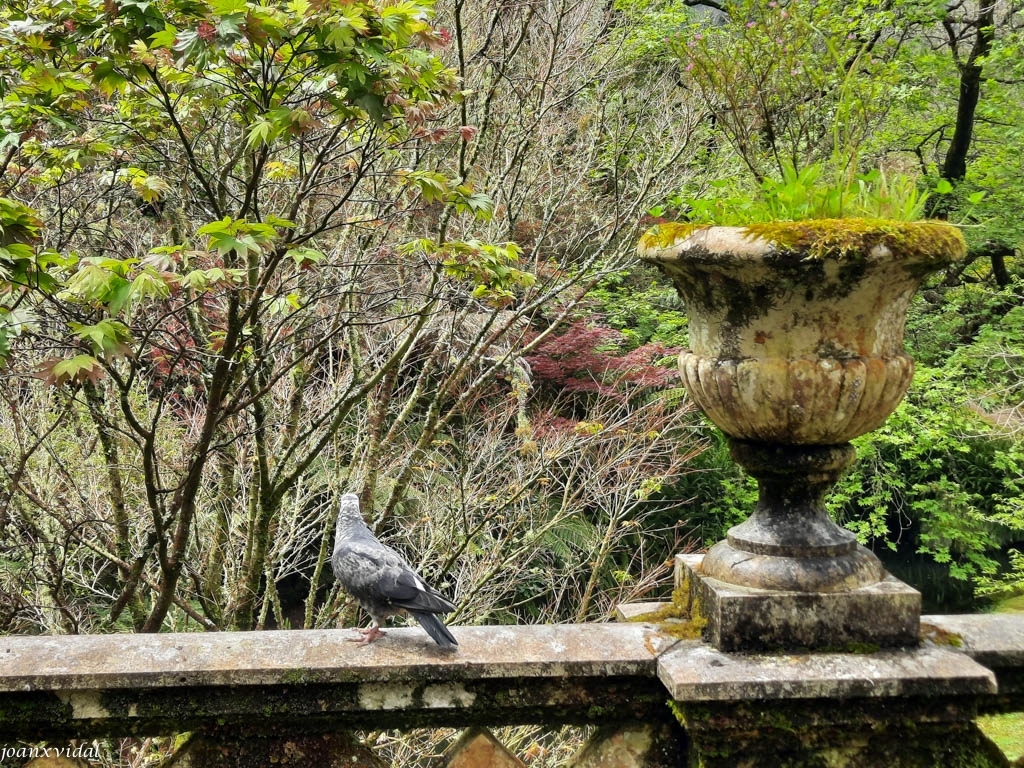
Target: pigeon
column 380, row 579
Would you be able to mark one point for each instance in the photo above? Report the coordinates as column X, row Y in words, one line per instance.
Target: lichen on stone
column 926, row 240
column 939, row 636
column 667, row 234
column 682, row 618
column 819, row 734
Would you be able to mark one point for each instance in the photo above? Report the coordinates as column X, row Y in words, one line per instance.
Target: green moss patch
column 939, row 636
column 668, row 234
column 930, row 240
column 681, row 618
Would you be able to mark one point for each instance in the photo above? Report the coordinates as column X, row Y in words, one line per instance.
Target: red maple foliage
column 588, row 358
column 206, row 32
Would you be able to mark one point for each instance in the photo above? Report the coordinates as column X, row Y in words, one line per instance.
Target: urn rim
column 931, row 243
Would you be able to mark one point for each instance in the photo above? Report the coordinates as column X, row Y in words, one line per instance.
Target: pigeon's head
column 350, row 518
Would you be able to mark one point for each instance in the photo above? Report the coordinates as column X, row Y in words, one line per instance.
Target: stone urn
column 796, row 348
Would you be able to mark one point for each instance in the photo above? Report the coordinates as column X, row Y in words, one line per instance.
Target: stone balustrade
column 295, row 697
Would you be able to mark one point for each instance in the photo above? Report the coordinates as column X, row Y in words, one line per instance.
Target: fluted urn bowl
column 796, row 347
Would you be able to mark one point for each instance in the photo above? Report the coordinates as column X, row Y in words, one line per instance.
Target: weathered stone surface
column 323, row 707
column 994, row 640
column 592, row 674
column 790, row 518
column 151, row 684
column 748, row 297
column 748, row 619
column 633, row 611
column 790, row 543
column 239, row 748
column 866, row 733
column 632, row 745
column 795, row 344
column 694, row 672
column 796, row 334
column 477, row 748
column 854, row 570
column 90, row 662
column 825, row 401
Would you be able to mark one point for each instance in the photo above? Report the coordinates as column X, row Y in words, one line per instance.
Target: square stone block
column 886, row 614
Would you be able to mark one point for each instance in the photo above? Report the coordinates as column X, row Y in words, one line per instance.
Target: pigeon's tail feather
column 435, row 628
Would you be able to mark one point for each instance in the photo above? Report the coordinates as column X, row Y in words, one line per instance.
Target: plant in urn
column 796, row 347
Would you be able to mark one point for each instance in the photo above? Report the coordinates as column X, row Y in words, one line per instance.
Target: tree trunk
column 955, row 166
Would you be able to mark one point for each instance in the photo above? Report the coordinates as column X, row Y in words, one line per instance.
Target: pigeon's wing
column 372, row 571
column 410, row 592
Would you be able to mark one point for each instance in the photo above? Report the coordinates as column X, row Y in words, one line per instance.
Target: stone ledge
column 694, row 672
column 317, row 681
column 636, row 611
column 89, row 662
column 993, row 639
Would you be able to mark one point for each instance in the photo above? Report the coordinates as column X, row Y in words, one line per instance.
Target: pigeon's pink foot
column 367, row 635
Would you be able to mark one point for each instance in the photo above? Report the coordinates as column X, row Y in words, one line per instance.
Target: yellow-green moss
column 666, row 235
column 682, row 618
column 906, row 239
column 940, row 636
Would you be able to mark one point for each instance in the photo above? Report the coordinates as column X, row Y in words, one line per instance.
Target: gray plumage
column 380, row 579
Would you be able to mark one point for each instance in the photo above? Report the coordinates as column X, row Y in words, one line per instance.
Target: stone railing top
column 696, row 672
column 88, row 662
column 993, row 639
column 109, row 685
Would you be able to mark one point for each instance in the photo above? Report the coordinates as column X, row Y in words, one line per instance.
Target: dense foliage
column 255, row 254
column 829, row 109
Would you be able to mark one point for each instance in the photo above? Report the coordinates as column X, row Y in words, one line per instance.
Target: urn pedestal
column 796, row 347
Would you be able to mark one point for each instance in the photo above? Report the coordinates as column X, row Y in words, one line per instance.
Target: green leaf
column 91, row 283
column 374, row 105
column 304, row 256
column 107, row 337
column 118, row 295
column 260, row 133
column 164, row 39
column 149, row 285
column 197, row 280
column 149, row 188
column 277, row 221
column 237, row 235
column 341, row 36
column 228, row 7
column 77, row 370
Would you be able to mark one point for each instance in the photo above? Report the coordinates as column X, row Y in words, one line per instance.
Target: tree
column 265, row 274
column 983, row 43
column 204, row 168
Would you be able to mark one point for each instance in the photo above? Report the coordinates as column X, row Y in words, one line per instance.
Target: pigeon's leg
column 368, row 635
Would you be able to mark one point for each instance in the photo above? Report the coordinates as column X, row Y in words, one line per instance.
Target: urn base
column 856, row 568
column 790, row 543
column 885, row 614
